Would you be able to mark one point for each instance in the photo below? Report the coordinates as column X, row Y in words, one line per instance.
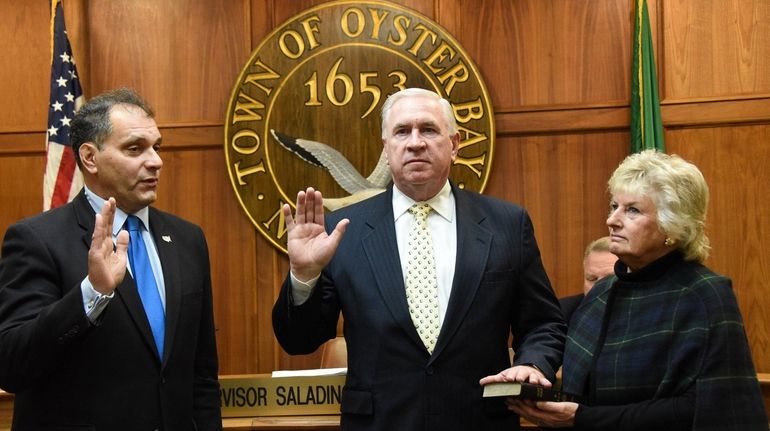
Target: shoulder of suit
column 158, row 216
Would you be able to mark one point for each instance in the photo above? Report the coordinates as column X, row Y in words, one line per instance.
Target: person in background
column 431, row 280
column 83, row 344
column 661, row 343
column 598, row 263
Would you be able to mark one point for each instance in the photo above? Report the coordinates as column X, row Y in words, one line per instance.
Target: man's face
column 597, row 265
column 418, row 146
column 128, row 165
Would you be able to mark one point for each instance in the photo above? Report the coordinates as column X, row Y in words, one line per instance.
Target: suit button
column 429, row 371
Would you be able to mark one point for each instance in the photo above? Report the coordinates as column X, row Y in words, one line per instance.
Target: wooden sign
column 305, row 109
column 262, row 395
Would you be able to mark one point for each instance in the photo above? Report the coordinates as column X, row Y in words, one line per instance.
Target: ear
column 88, row 154
column 455, row 144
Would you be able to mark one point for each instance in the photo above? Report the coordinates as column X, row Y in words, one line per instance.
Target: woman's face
column 634, row 233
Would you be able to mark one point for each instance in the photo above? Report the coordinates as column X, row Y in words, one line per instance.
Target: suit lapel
column 85, row 216
column 170, row 261
column 381, row 251
column 126, row 290
column 473, row 247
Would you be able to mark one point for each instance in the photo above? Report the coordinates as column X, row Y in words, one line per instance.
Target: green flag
column 646, row 123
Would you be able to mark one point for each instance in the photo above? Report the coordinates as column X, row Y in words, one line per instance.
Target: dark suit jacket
column 392, row 382
column 70, row 374
column 569, row 304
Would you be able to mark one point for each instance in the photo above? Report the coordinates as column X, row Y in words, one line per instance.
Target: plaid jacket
column 651, row 341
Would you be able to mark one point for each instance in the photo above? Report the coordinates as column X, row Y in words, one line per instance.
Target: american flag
column 62, row 179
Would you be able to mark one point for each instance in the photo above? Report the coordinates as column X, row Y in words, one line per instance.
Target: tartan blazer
column 663, row 347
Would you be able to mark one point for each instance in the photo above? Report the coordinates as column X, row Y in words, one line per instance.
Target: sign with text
column 305, row 109
column 262, row 395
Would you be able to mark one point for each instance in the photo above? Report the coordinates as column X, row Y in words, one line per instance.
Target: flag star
column 69, row 97
column 57, row 106
column 52, row 131
column 72, row 74
column 65, row 57
column 65, row 121
column 61, row 81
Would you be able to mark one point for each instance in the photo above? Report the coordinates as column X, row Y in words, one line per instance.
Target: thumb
column 339, row 231
column 121, row 243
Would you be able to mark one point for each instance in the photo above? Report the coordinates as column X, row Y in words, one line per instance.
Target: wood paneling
column 558, row 72
column 715, row 48
column 546, row 52
column 26, row 46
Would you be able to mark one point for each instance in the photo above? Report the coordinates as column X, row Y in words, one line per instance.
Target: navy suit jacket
column 70, row 374
column 500, row 287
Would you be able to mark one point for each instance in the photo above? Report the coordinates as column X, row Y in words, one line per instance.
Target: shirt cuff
column 300, row 290
column 94, row 302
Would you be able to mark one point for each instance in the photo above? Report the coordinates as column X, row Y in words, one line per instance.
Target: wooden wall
column 558, row 72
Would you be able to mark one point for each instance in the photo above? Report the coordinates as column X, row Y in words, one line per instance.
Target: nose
column 415, row 139
column 612, row 219
column 153, row 160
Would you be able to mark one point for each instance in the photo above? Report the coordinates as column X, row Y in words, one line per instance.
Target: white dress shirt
column 93, row 301
column 442, row 223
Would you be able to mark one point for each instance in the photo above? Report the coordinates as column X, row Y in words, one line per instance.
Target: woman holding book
column 661, row 343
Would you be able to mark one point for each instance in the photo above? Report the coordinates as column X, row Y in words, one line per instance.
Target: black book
column 527, row 391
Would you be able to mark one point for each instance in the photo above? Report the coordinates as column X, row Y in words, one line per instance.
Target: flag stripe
column 62, row 179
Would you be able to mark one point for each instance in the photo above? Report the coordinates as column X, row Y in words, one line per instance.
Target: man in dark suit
column 415, row 362
column 598, row 263
column 76, row 343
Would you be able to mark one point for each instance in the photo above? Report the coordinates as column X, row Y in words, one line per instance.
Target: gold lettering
column 401, row 22
column 474, row 110
column 425, row 32
column 311, row 30
column 240, row 173
column 469, row 163
column 281, row 228
column 439, row 54
column 245, row 150
column 468, row 140
column 266, row 73
column 300, row 48
column 458, row 73
column 377, row 18
column 360, row 22
column 247, row 111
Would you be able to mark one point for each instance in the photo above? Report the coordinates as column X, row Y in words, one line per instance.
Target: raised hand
column 107, row 263
column 310, row 247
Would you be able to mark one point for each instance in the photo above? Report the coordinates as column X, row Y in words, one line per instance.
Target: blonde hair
column 679, row 192
column 597, row 245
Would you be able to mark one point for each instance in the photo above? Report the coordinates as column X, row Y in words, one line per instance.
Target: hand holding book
column 528, row 391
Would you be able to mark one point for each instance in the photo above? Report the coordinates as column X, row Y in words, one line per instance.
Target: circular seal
column 305, row 109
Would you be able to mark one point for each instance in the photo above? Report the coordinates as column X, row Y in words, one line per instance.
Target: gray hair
column 446, row 107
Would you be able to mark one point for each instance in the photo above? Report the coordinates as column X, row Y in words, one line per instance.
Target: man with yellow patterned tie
column 431, row 280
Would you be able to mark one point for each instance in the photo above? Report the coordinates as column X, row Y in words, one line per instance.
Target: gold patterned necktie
column 421, row 284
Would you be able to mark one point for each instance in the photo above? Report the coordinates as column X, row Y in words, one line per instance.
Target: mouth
column 149, row 182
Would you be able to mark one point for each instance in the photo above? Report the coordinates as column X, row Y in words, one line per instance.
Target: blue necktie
column 145, row 281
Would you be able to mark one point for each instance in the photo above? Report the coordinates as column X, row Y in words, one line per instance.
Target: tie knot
column 133, row 223
column 420, row 210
